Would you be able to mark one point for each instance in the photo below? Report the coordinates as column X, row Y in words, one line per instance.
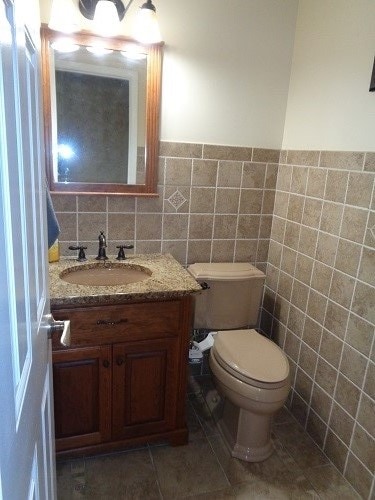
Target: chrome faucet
column 102, row 246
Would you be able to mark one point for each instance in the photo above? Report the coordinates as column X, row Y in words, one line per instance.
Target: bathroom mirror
column 101, row 105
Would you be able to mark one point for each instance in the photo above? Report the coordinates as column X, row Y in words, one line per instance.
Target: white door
column 27, row 468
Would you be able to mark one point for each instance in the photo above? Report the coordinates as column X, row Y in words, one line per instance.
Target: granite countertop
column 168, row 280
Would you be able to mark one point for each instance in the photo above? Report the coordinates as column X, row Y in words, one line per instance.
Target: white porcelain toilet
column 250, row 371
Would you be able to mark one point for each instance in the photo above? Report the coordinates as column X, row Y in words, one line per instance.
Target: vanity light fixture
column 107, row 15
column 64, row 46
column 99, row 51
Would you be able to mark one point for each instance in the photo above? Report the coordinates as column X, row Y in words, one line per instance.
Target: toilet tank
column 233, row 298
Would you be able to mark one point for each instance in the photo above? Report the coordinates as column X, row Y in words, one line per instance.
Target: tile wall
column 215, row 204
column 319, row 303
column 218, row 203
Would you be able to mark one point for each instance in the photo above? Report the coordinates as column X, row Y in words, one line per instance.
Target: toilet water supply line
column 198, row 348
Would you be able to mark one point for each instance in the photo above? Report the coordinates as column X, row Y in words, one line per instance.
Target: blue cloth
column 53, row 228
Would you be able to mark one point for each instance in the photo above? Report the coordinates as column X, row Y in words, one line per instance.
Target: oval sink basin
column 108, row 274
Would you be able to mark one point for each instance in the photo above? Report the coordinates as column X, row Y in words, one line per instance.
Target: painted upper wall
column 226, row 69
column 329, row 105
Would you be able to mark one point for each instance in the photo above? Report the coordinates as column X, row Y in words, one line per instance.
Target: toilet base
column 246, row 435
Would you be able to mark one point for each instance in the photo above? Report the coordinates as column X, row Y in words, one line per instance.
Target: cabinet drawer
column 121, row 323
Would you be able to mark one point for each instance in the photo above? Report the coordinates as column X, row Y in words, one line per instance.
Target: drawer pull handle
column 111, row 323
column 106, row 363
column 120, row 361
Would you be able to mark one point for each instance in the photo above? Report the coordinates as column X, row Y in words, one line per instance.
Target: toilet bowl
column 252, row 374
column 249, row 370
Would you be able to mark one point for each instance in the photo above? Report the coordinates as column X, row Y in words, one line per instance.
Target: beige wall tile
column 253, row 175
column 266, row 155
column 123, row 204
column 367, row 266
column 202, row 200
column 170, row 192
column 121, row 227
column 291, row 346
column 281, row 204
column 325, row 376
column 341, row 423
column 214, row 152
column 321, row 403
column 288, row 260
column 363, row 446
column 360, row 189
column 175, row 226
column 316, row 182
column 151, row 204
column 307, row 241
column 304, row 267
column 308, row 359
column 90, row 225
column 295, row 208
column 229, row 174
column 278, row 229
column 64, row 203
column 68, row 226
column 148, row 246
column 227, row 201
column 265, row 226
column 251, row 201
column 310, row 158
column 347, row 395
column 177, row 249
column 364, row 302
column 246, row 250
column 336, row 186
column 342, row 289
column 326, row 248
column 180, row 149
column 199, row 251
column 296, row 320
column 222, row 250
column 354, row 224
column 342, row 159
column 291, row 236
column 336, row 319
column 274, row 255
column 303, row 385
column 366, row 414
column 336, row 451
column 284, row 178
column 268, row 201
column 300, row 295
column 321, row 278
column 312, row 212
column 225, row 226
column 299, row 180
column 271, row 176
column 331, row 217
column 312, row 333
column 331, row 348
column 200, row 227
column 353, row 365
column 148, row 226
column 204, row 172
column 370, row 162
column 360, row 334
column 248, row 226
column 92, row 203
column 358, row 476
column 347, row 258
column 178, row 171
column 369, row 386
column 317, row 430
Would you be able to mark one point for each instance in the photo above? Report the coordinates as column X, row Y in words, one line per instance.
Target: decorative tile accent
column 177, row 199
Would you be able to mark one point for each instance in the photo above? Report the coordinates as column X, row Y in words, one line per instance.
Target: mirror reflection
column 100, row 116
column 101, row 109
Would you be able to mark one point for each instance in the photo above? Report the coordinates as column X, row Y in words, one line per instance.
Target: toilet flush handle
column 204, row 285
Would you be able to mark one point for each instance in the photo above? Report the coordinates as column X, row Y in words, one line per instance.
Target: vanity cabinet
column 122, row 381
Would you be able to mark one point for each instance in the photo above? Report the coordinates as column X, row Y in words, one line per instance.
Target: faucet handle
column 121, row 253
column 81, row 254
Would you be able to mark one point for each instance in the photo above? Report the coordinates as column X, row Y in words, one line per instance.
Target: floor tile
column 330, row 484
column 299, row 445
column 188, row 470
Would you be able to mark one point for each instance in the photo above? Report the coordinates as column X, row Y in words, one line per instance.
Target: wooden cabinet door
column 145, row 383
column 82, row 396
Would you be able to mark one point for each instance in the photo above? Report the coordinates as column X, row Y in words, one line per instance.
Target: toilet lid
column 252, row 355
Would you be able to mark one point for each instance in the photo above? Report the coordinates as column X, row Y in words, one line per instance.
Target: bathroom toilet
column 250, row 371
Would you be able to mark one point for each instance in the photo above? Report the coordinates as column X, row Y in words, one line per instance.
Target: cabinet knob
column 106, row 363
column 120, row 361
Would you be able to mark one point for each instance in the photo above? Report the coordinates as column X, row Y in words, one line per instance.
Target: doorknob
column 55, row 326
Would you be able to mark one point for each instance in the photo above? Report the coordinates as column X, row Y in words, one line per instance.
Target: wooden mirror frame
column 153, row 92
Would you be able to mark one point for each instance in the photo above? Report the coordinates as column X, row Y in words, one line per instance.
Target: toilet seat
column 251, row 358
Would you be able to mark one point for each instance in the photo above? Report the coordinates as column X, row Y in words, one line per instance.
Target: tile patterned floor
column 203, row 469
